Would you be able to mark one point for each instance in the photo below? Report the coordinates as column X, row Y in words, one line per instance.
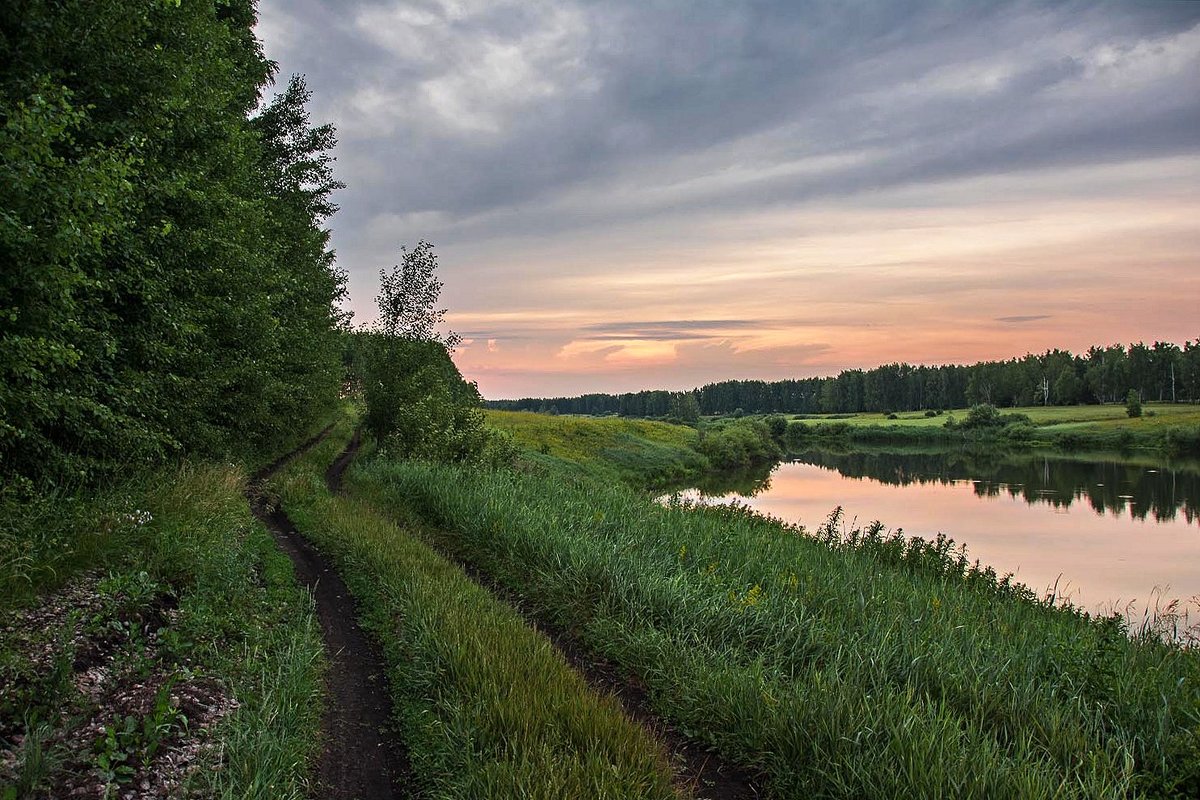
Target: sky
column 630, row 194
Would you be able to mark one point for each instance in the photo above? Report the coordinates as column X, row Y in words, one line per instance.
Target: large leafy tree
column 167, row 285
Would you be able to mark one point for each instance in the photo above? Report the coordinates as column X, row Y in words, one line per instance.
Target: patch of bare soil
column 90, row 706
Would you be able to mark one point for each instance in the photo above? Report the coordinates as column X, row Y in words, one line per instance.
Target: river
column 1107, row 533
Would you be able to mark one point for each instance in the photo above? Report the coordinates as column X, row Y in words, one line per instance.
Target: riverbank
column 843, row 662
column 637, row 452
column 1170, row 429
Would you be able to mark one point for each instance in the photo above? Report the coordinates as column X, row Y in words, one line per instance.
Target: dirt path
column 359, row 701
column 361, row 758
column 333, row 475
column 697, row 770
column 700, row 772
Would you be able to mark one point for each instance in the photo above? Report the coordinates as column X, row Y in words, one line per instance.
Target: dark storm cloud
column 466, row 120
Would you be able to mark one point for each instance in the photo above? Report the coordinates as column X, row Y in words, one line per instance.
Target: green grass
column 169, row 584
column 488, row 708
column 868, row 668
column 1105, row 416
column 615, row 448
column 1167, row 428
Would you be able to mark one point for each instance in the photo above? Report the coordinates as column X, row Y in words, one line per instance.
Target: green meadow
column 1166, row 428
column 1102, row 417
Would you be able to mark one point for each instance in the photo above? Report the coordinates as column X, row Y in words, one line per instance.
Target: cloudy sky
column 630, row 194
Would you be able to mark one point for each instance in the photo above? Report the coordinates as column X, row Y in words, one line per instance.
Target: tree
column 685, row 406
column 1133, row 403
column 418, row 404
column 166, row 285
column 408, row 296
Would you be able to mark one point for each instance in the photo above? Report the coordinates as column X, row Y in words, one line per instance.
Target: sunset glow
column 619, row 203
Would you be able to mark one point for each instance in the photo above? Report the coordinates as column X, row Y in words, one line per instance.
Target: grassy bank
column 834, row 668
column 1170, row 428
column 486, row 705
column 610, row 448
column 153, row 633
column 637, row 452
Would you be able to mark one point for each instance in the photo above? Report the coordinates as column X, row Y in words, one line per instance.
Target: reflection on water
column 1160, row 492
column 1109, row 531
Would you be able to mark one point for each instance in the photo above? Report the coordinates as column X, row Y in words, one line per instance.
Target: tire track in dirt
column 697, row 770
column 361, row 758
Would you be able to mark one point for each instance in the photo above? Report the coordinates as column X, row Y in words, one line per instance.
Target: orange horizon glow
column 1033, row 265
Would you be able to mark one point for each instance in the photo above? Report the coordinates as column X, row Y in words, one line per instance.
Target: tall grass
column 833, row 665
column 240, row 626
column 634, row 451
column 488, row 708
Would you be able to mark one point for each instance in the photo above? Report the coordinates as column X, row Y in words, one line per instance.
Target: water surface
column 1103, row 531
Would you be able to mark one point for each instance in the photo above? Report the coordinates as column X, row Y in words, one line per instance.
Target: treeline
column 167, row 284
column 1162, row 371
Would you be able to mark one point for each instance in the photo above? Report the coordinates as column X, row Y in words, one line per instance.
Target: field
column 1165, row 428
column 1054, row 417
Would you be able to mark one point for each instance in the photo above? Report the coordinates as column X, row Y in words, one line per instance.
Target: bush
column 982, row 415
column 418, row 405
column 1133, row 403
column 932, row 413
column 1182, row 439
column 796, row 433
column 739, row 444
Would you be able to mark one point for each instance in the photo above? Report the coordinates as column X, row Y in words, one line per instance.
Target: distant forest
column 1162, row 371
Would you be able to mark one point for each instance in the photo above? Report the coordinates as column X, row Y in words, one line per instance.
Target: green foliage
column 739, row 444
column 408, row 296
column 777, row 425
column 418, row 405
column 167, row 285
column 845, row 663
column 981, row 415
column 487, row 706
column 685, row 407
column 1133, row 403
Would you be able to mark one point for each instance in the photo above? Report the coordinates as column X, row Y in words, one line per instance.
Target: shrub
column 796, row 433
column 418, row 405
column 777, row 425
column 982, row 415
column 739, row 444
column 1133, row 403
